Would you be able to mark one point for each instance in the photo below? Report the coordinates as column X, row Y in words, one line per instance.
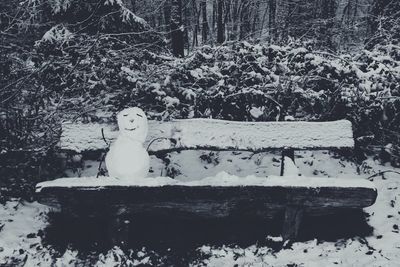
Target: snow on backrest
column 218, row 134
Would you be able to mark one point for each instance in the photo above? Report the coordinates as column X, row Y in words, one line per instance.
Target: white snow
column 289, row 118
column 195, row 133
column 171, row 101
column 256, row 112
column 56, row 34
column 128, row 16
column 290, row 169
column 189, row 94
column 17, row 221
column 197, row 73
column 58, row 6
column 156, row 88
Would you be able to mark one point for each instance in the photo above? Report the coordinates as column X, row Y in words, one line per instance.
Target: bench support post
column 291, row 223
column 286, row 152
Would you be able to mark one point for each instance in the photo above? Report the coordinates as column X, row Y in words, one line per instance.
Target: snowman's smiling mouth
column 131, row 129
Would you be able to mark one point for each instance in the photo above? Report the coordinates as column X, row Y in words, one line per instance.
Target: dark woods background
column 230, row 59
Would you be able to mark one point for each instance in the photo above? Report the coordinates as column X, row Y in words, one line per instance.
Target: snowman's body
column 127, row 158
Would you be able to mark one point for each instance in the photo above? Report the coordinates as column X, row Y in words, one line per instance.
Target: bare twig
column 383, row 172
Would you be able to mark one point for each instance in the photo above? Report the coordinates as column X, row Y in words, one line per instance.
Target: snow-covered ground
column 23, row 225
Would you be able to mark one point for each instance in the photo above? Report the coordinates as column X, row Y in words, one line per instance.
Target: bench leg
column 118, row 230
column 291, row 223
column 286, row 152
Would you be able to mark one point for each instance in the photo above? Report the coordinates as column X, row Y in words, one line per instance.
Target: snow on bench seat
column 218, row 134
column 221, row 179
column 218, row 196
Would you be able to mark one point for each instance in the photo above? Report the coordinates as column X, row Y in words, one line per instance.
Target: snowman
column 127, row 158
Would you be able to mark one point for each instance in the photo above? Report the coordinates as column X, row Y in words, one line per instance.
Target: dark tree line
column 331, row 24
column 186, row 24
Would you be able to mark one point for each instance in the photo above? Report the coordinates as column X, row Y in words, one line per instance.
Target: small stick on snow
column 383, row 172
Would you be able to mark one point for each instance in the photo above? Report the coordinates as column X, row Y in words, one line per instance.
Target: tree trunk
column 204, row 30
column 186, row 22
column 167, row 17
column 256, row 18
column 235, row 19
column 220, row 23
column 261, row 30
column 214, row 19
column 177, row 40
column 227, row 19
column 272, row 19
column 196, row 13
column 377, row 11
column 133, row 6
column 245, row 20
column 328, row 10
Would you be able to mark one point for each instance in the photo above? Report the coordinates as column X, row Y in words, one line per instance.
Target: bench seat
column 220, row 196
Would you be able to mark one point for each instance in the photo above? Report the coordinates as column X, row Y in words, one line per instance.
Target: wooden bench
column 224, row 195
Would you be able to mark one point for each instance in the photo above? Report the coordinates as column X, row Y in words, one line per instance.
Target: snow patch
column 256, row 112
column 57, row 34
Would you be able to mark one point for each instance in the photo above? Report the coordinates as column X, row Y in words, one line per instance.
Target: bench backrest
column 218, row 135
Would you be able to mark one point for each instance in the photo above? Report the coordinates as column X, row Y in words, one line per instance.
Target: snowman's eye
column 139, row 115
column 125, row 115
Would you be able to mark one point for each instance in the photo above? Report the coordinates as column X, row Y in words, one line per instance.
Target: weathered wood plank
column 291, row 222
column 204, row 201
column 218, row 134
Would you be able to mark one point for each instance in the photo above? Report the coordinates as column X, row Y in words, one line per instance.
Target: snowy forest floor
column 29, row 235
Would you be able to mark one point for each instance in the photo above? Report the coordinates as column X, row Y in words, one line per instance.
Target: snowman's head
column 132, row 122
